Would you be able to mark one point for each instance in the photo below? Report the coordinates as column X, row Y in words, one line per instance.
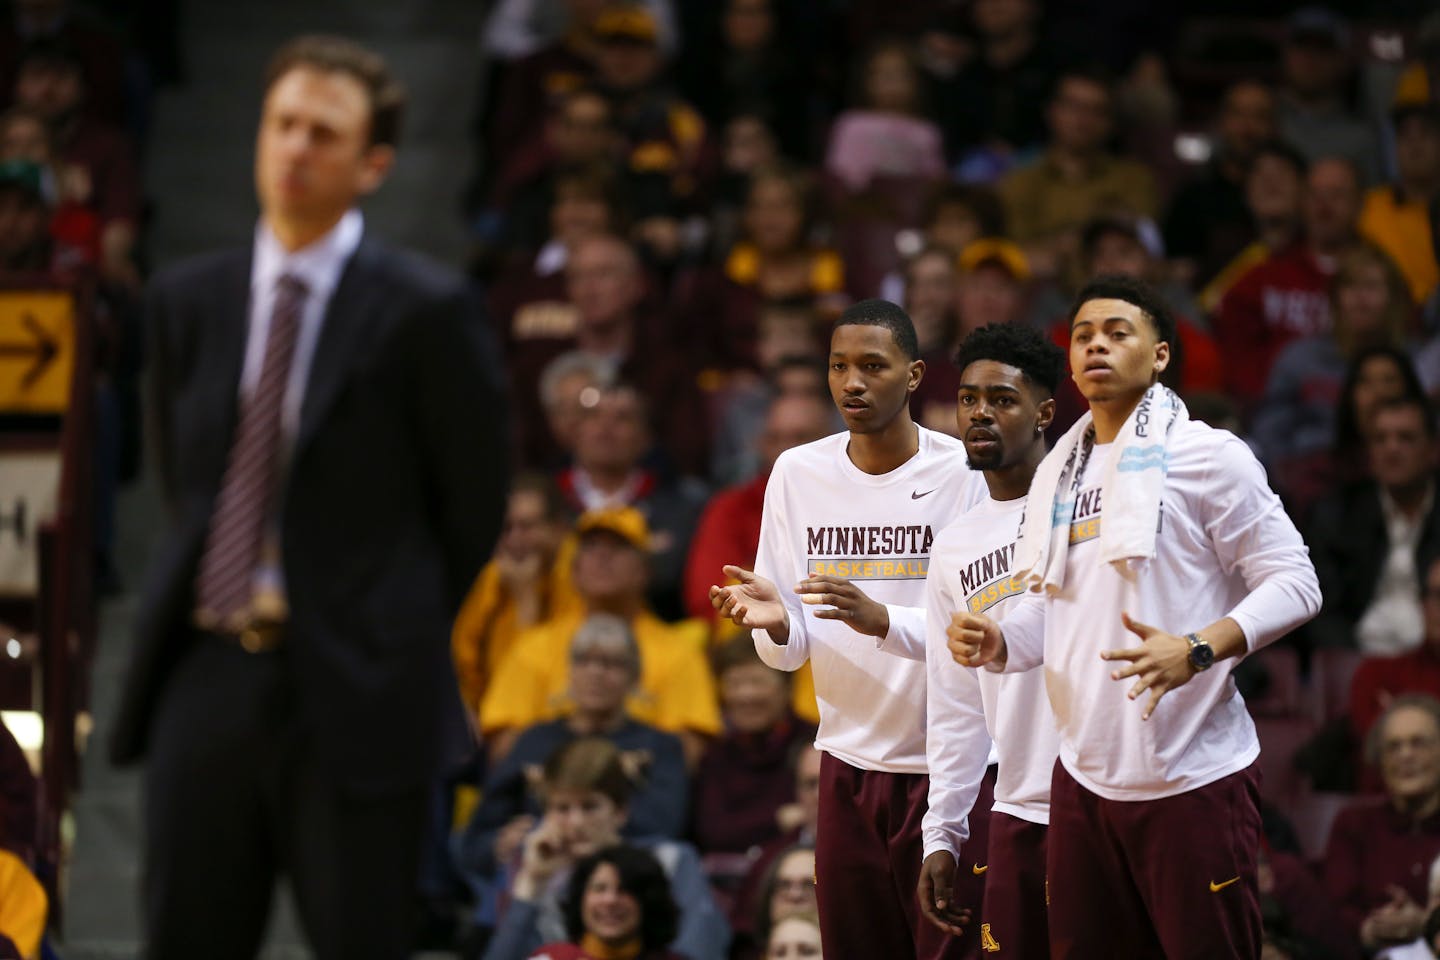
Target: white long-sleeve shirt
column 970, row 569
column 823, row 515
column 1225, row 548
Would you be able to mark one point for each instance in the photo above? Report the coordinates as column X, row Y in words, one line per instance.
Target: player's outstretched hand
column 848, row 604
column 975, row 640
column 936, row 893
column 751, row 602
column 1162, row 662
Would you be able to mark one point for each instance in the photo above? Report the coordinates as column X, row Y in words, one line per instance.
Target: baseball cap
column 625, row 522
column 626, row 24
column 995, row 250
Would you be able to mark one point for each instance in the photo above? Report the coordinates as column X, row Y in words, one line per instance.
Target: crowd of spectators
column 672, row 202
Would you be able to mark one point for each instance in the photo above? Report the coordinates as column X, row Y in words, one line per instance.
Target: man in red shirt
column 729, row 530
column 1287, row 296
column 1379, row 680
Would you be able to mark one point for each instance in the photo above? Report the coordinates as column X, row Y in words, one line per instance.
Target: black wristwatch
column 1202, row 655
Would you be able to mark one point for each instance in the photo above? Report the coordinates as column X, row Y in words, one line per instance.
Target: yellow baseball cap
column 625, row 522
column 1008, row 256
column 626, row 23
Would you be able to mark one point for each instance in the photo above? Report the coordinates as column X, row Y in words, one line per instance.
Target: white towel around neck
column 1131, row 489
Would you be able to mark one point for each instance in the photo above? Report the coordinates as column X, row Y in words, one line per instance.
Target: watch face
column 1201, row 655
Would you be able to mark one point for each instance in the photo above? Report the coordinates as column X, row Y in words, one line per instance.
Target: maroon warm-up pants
column 1013, row 922
column 1173, row 878
column 868, row 850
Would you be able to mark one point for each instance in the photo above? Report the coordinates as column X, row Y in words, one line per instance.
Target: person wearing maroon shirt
column 1378, row 860
column 745, row 778
column 729, row 529
column 1287, row 295
column 1379, row 680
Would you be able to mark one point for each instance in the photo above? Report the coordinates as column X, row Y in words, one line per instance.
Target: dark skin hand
column 936, row 894
column 850, row 604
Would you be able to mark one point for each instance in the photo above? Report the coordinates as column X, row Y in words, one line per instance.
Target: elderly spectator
column 745, row 776
column 1397, row 216
column 607, row 316
column 1287, row 296
column 786, row 889
column 525, row 583
column 1372, row 542
column 611, row 441
column 1380, row 850
column 1077, row 178
column 1210, row 221
column 1315, row 66
column 1294, row 425
column 569, row 385
column 676, row 692
column 604, row 670
column 587, row 789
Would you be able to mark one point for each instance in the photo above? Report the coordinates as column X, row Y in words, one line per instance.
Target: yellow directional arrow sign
column 37, row 351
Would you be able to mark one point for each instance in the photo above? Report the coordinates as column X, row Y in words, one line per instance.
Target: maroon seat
column 1280, row 739
column 1285, row 695
column 1332, row 671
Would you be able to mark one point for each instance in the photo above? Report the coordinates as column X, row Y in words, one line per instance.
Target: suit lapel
column 346, row 318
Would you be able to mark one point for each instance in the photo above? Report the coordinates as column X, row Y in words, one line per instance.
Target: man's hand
column 850, row 604
column 545, row 853
column 937, row 895
column 752, row 602
column 975, row 640
column 1162, row 662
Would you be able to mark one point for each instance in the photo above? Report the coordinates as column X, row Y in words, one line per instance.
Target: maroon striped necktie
column 225, row 584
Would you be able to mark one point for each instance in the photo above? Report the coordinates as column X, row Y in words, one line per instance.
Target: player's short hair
column 330, row 54
column 883, row 313
column 1023, row 347
column 1135, row 292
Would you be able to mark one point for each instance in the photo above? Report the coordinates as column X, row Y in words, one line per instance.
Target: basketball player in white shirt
column 840, row 580
column 1154, row 816
column 1006, row 400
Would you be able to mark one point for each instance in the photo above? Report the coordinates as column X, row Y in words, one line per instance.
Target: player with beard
column 861, row 507
column 1008, row 376
column 1160, row 556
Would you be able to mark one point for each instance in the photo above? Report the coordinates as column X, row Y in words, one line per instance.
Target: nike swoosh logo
column 1217, row 887
column 977, row 869
column 917, row 496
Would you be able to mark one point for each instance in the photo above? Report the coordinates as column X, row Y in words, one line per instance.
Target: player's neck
column 885, row 450
column 1013, row 482
column 1109, row 416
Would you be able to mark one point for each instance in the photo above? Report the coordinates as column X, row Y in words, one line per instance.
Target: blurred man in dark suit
column 329, row 435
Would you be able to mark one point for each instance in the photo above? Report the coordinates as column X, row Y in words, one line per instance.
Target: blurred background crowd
column 668, row 203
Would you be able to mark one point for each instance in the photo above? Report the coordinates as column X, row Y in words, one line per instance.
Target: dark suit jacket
column 1348, row 543
column 392, row 503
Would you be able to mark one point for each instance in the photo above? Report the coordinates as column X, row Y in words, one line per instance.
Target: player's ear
column 917, row 373
column 1162, row 357
column 1044, row 415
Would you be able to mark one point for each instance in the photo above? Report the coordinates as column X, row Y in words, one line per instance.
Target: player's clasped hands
column 1162, row 662
column 848, row 603
column 974, row 640
column 753, row 601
